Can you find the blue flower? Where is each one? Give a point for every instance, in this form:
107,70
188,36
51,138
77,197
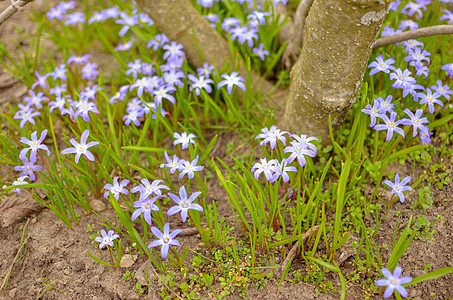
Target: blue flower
298,150
81,148
184,139
184,203
230,81
399,187
165,239
106,239
266,167
415,120
34,144
145,206
28,168
271,136
381,66
390,126
189,168
393,282
147,189
116,188
172,164
374,111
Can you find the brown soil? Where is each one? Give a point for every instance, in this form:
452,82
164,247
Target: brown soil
54,263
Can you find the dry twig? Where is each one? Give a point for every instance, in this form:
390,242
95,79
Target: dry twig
413,34
12,9
296,245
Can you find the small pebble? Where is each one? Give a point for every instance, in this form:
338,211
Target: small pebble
97,205
12,293
127,260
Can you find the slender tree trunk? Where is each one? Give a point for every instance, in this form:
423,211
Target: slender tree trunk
327,77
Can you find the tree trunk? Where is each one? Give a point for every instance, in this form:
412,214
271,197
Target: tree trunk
327,77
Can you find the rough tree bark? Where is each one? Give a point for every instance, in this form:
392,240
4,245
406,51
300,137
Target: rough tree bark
327,77
181,22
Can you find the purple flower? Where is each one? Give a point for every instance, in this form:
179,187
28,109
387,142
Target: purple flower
127,22
158,41
430,99
163,93
173,78
443,90
133,116
83,109
423,70
393,282
425,135
81,148
394,5
189,168
276,2
174,49
59,72
147,189
116,188
230,81
172,164
26,116
78,60
165,239
58,103
414,7
449,69
205,3
35,99
199,84
390,125
55,13
145,207
408,24
385,105
89,71
184,139
411,44
19,181
40,80
75,18
184,203
415,120
106,239
173,62
124,47
416,55
206,70
260,51
305,141
298,150
271,136
399,187
402,78
229,23
381,66
281,169
258,16
28,168
266,167
447,16
374,111
34,144
58,90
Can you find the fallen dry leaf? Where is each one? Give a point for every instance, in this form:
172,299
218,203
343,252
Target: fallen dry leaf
14,208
